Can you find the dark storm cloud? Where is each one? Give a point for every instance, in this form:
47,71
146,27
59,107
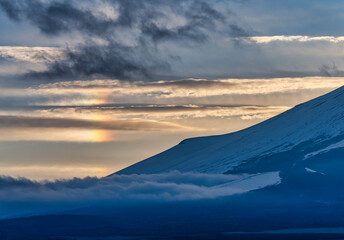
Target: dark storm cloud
11,9
150,22
114,60
55,17
330,71
40,122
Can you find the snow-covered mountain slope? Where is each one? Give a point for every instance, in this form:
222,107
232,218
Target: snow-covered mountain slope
307,131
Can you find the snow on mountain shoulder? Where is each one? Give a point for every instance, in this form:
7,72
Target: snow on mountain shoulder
281,140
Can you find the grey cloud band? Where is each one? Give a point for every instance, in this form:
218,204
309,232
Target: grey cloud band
105,52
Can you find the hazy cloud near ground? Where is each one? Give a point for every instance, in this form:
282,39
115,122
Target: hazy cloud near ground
77,193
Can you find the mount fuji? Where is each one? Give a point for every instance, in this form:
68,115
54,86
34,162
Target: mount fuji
303,136
280,179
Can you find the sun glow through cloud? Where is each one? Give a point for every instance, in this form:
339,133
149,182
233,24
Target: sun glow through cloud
99,135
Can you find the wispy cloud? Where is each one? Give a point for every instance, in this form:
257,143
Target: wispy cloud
113,124
102,123
179,92
285,38
194,88
94,110
170,112
31,54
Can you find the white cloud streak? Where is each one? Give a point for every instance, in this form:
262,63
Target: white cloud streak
285,38
31,54
195,88
168,112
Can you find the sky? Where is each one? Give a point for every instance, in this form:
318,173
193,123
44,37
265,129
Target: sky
88,87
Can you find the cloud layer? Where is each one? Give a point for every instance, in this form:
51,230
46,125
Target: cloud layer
173,186
183,106
283,38
201,87
31,54
113,124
